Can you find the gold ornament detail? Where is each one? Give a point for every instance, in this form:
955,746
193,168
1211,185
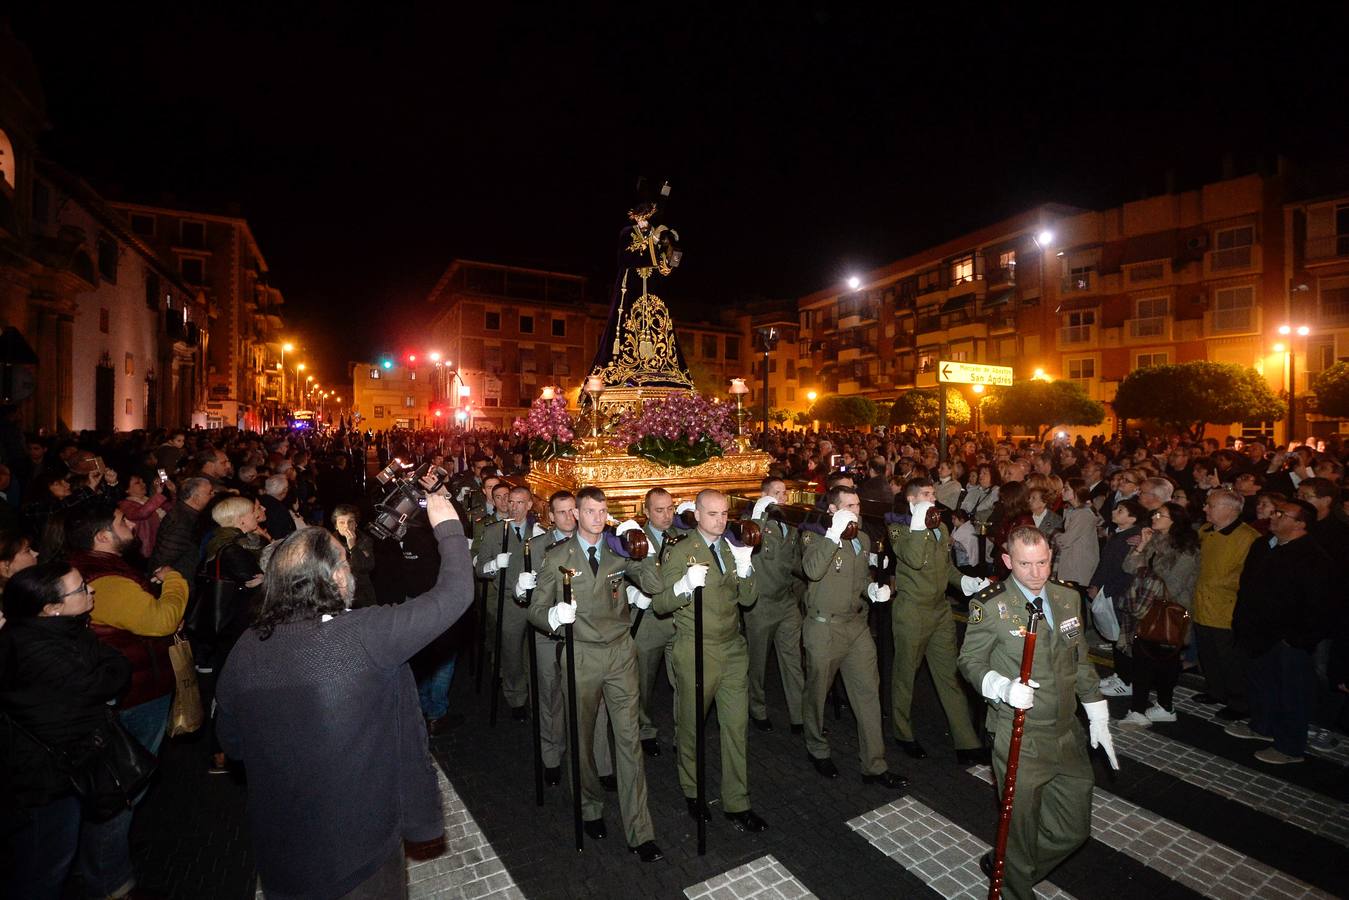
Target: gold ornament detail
646,348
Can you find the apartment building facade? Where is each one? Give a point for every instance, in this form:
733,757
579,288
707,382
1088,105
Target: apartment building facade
1079,294
219,255
1316,231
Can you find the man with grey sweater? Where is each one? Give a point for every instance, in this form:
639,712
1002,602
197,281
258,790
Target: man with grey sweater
320,704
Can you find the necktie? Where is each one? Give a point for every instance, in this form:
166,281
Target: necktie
594,561
1039,605
716,554
519,535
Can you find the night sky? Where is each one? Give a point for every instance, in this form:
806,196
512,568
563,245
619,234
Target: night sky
369,147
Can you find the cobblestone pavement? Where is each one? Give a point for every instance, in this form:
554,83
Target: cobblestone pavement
1190,814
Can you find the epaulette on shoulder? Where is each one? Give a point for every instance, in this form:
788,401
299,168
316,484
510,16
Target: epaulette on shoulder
991,591
1071,585
676,538
555,544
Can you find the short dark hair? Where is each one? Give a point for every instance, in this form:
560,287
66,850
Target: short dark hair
914,485
559,495
763,485
590,492
301,583
12,544
656,492
1306,512
1323,488
346,509
1134,508
85,521
835,495
34,589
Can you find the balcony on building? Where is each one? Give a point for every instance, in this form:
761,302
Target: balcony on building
1077,335
857,309
1148,329
929,328
1227,320
1085,281
1234,252
1326,249
855,345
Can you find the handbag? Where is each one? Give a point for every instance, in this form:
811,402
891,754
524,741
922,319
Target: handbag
212,605
1161,621
185,716
108,769
1103,616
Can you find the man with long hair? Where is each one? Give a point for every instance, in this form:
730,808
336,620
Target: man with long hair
320,704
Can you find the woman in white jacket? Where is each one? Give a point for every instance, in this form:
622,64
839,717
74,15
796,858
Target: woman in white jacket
1078,550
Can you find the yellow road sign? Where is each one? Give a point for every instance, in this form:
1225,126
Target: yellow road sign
973,373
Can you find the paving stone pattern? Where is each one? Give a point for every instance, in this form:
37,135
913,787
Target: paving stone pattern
763,879
937,850
1249,787
1211,868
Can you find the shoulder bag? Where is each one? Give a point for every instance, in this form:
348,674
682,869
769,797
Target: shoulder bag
1163,625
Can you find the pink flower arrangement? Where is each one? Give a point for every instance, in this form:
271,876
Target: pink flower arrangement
682,429
548,427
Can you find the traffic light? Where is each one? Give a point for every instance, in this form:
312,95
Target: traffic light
386,363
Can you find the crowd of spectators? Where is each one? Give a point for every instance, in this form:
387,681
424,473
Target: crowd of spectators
108,543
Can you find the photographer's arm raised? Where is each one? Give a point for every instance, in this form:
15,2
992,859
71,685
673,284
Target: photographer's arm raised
392,634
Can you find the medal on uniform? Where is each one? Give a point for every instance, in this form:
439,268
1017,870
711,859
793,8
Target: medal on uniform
1002,610
1070,628
838,563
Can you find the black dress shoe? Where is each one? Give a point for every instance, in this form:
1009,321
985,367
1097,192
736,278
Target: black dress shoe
798,728
824,766
973,756
609,782
913,748
595,829
519,713
1230,714
1207,699
747,821
552,775
647,852
762,724
986,864
887,779
693,810
651,747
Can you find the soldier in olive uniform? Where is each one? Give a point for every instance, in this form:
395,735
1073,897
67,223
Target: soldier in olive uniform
655,633
704,559
1051,816
502,549
837,639
548,650
923,626
606,664
775,621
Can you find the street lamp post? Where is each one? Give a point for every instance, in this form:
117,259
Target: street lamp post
1288,331
285,348
768,341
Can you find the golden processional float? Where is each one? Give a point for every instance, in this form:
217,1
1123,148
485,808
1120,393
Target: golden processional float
638,401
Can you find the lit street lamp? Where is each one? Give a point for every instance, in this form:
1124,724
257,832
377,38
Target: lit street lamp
285,348
854,283
1288,331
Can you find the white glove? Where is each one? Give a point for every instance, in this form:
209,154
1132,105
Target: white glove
1013,693
743,566
694,577
526,582
1098,728
538,531
686,506
637,598
490,567
761,506
840,521
503,560
878,593
463,493
873,560
919,511
561,614
629,525
971,585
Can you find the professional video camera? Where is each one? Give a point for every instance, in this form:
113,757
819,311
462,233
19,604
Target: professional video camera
407,486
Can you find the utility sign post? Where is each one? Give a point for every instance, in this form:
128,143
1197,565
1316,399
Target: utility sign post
973,373
964,373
